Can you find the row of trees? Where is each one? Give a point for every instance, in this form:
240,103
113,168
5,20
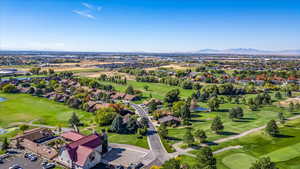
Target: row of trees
113,79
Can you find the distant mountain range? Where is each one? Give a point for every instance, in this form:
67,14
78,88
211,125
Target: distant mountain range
249,51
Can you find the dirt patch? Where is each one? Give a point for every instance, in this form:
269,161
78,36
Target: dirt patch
108,73
286,102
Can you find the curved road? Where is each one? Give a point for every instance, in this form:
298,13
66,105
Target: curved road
157,149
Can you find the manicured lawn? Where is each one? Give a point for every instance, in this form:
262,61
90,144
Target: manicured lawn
284,149
252,119
239,161
131,139
24,108
128,139
157,90
285,154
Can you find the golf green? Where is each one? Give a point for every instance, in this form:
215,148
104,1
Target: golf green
239,161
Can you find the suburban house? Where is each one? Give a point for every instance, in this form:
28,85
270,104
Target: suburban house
33,140
83,152
169,120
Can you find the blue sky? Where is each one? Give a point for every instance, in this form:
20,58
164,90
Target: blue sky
149,25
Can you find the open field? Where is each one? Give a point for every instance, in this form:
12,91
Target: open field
284,149
171,66
24,108
157,90
109,73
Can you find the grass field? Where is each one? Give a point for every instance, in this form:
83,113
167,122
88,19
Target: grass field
157,90
252,119
239,161
284,149
24,108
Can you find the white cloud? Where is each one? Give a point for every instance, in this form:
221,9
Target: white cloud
84,14
87,5
91,7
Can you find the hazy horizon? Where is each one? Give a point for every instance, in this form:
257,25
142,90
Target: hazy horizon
149,26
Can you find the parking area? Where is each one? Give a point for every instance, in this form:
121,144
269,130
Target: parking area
124,155
21,161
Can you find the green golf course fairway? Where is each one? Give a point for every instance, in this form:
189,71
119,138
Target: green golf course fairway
285,154
239,161
24,108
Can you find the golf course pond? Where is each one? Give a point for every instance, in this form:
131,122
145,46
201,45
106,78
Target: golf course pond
2,99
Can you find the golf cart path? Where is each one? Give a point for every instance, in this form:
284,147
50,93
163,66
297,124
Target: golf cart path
184,151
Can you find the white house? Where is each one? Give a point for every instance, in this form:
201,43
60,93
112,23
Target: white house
84,152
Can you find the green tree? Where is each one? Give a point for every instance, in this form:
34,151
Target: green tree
206,159
129,90
264,163
24,127
289,93
74,120
185,112
9,88
176,108
297,106
188,138
163,131
278,95
117,125
105,116
200,135
272,128
217,125
132,125
213,103
146,87
35,70
172,96
291,107
144,122
281,117
171,164
5,144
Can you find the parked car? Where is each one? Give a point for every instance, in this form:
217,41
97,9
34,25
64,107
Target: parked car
15,166
33,157
48,166
119,167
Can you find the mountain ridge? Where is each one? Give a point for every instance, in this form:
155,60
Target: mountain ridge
248,51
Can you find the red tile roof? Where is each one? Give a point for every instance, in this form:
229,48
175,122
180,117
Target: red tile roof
80,150
71,135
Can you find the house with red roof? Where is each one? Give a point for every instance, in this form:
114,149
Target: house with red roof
83,152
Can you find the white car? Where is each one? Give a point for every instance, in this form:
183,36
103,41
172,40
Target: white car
15,166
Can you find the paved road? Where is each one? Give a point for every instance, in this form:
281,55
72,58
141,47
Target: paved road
158,150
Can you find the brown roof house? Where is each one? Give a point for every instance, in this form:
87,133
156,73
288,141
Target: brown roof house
33,140
169,120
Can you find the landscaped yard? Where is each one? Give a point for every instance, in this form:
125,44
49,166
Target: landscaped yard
284,149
